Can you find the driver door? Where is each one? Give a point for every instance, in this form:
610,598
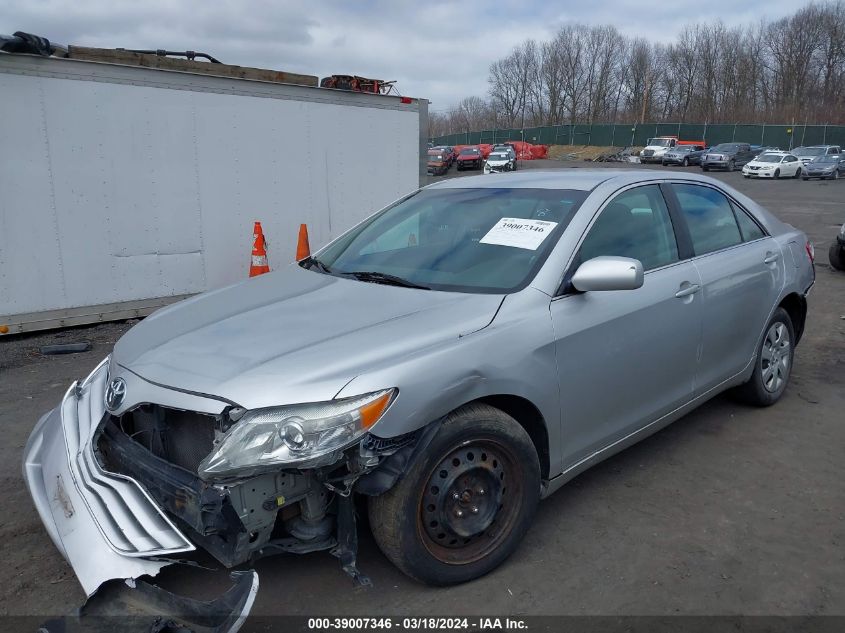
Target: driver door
628,357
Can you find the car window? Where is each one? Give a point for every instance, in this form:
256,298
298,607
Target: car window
748,227
634,224
464,240
711,221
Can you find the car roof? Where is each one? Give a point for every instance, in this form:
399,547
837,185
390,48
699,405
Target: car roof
775,151
574,178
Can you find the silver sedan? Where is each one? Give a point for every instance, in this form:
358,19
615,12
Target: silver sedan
452,359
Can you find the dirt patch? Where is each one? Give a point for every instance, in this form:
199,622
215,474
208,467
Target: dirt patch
582,152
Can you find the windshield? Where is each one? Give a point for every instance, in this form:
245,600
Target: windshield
435,158
469,152
726,147
659,142
499,156
808,151
484,240
830,158
769,158
683,149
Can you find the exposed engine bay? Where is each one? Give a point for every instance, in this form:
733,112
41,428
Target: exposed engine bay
239,520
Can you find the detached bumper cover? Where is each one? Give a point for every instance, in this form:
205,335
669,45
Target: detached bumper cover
104,524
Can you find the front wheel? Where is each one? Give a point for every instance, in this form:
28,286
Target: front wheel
773,363
685,162
731,166
777,174
465,505
836,255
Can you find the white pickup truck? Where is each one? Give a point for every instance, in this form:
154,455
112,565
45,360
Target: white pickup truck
656,147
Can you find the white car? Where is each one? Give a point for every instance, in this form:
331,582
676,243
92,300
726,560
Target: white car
500,161
773,165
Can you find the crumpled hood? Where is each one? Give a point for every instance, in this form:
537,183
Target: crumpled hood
293,335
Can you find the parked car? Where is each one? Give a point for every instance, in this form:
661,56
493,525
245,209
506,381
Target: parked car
773,165
506,147
806,154
470,158
727,156
656,148
450,153
499,161
438,162
825,166
449,361
683,155
836,252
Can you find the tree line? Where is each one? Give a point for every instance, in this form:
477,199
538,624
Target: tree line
790,70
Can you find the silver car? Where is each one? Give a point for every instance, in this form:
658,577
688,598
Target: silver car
451,359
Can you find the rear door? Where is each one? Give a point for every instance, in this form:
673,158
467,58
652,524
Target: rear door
741,270
627,357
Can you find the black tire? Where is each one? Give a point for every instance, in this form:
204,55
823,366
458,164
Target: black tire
836,255
732,166
797,173
763,389
439,538
685,162
745,176
777,174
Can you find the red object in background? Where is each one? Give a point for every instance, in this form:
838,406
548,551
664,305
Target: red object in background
524,151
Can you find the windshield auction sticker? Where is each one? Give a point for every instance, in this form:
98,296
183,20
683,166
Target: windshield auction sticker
519,233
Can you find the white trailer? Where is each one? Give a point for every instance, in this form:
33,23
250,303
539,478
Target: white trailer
124,188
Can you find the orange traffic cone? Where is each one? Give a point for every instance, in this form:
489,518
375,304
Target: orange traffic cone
259,264
303,249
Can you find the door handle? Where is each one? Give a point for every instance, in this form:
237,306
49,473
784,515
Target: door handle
691,289
771,258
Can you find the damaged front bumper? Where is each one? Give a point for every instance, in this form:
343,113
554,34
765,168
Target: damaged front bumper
104,524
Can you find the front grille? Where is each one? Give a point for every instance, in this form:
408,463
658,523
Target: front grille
183,438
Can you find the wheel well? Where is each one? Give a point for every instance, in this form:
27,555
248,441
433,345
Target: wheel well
796,307
529,418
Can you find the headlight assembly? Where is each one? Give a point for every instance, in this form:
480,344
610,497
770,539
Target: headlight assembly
293,436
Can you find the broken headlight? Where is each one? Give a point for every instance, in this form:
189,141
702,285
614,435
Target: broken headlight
293,436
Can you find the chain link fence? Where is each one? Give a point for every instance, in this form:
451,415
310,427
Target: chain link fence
636,134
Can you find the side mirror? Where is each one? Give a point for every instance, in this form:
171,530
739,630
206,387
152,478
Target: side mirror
608,273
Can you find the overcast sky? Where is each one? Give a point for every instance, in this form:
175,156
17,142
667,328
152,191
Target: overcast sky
436,49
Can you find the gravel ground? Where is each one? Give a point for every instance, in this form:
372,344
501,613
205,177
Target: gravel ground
731,510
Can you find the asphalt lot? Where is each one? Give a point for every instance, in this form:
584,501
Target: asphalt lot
731,510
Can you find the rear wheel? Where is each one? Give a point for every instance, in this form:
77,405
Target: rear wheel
685,162
773,363
465,505
731,166
836,255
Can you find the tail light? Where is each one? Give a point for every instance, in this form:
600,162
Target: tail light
811,252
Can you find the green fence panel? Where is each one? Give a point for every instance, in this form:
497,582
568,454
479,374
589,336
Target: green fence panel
813,135
719,133
748,134
601,134
835,135
667,129
691,131
777,136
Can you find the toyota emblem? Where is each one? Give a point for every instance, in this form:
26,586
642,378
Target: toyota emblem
115,393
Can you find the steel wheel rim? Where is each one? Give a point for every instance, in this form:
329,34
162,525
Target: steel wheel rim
775,357
465,514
